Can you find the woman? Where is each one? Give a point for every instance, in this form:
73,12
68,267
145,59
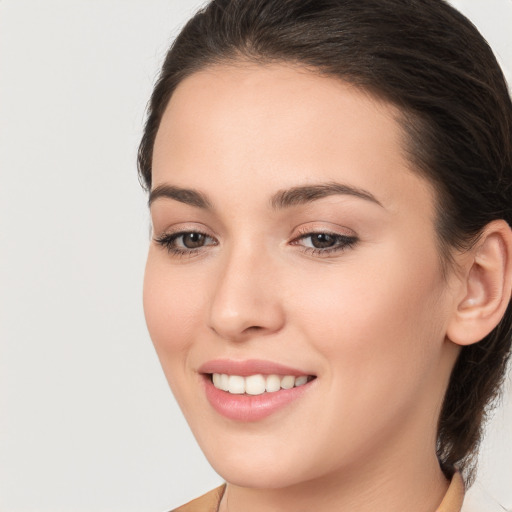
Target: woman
329,279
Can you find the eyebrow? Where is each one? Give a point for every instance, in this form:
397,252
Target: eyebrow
183,195
287,198
309,193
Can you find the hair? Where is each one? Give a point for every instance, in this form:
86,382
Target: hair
429,61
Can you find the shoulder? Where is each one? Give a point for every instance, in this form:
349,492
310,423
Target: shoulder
208,502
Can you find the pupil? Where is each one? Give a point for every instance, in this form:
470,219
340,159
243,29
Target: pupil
193,240
322,240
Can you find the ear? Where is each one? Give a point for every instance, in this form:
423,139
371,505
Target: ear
485,285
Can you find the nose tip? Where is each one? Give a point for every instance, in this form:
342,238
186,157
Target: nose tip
235,325
244,304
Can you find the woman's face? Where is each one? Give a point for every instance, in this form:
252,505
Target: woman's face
292,245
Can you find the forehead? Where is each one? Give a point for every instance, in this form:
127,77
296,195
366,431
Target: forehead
279,125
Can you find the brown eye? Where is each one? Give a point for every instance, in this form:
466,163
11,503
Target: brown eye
185,242
193,240
324,243
322,240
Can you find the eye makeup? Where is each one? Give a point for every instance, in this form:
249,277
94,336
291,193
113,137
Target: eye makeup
185,243
325,243
318,243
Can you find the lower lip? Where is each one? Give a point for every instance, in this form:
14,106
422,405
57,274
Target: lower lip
251,407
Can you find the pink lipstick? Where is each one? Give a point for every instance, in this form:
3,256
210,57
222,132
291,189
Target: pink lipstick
254,389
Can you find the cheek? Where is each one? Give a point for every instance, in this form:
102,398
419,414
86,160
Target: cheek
380,335
172,307
379,321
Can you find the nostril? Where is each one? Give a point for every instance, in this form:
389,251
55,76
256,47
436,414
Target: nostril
254,328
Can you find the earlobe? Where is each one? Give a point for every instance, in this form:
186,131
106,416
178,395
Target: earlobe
486,287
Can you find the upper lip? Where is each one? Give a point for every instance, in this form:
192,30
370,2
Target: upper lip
249,367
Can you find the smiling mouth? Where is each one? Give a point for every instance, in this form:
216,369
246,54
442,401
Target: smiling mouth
257,384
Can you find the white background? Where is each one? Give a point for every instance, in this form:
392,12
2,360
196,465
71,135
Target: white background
87,422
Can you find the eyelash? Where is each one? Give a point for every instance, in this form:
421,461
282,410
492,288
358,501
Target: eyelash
168,241
342,243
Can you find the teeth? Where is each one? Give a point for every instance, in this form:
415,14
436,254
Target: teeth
300,381
236,385
273,383
224,382
288,382
256,384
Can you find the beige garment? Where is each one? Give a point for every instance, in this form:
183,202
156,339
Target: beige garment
209,502
452,501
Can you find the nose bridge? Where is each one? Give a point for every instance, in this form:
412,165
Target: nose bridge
246,297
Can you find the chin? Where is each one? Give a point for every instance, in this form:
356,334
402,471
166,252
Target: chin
266,477
261,467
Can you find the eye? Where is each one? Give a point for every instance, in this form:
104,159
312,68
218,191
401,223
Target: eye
322,240
323,243
192,240
185,242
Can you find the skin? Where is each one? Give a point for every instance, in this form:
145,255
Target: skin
369,321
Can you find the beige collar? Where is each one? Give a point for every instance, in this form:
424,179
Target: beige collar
452,501
209,502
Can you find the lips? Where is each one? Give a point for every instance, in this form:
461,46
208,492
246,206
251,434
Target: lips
249,367
254,389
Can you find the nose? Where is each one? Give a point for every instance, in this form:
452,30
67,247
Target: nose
246,300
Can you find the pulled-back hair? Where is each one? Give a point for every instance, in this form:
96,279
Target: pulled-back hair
428,60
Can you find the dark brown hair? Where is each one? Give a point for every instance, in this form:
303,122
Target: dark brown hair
428,60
